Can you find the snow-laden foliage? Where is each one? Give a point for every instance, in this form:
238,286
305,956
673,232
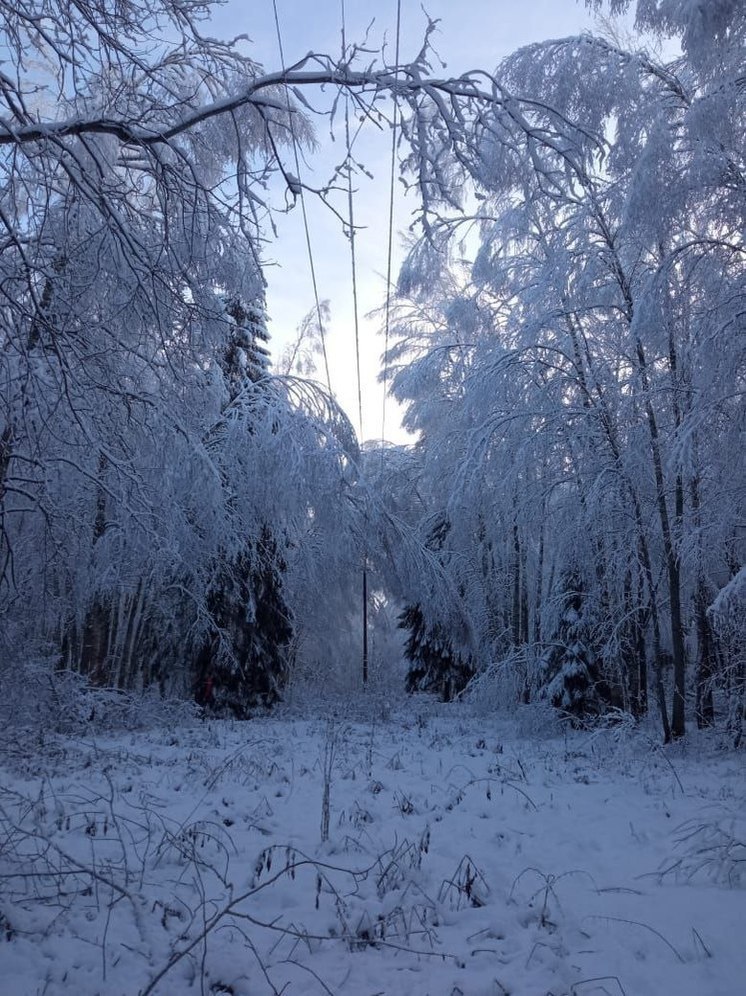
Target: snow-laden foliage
170,509
578,387
568,342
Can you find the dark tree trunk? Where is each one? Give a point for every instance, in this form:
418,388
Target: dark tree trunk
706,661
94,649
94,645
516,621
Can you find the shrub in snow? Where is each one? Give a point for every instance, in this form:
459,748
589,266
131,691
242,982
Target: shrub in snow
503,684
713,850
538,720
42,698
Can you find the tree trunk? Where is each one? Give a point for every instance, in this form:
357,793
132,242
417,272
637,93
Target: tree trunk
673,572
516,613
705,710
94,651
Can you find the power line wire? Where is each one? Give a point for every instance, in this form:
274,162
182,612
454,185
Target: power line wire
351,216
356,315
299,191
392,179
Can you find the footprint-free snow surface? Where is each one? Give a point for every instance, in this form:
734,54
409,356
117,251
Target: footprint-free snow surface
461,858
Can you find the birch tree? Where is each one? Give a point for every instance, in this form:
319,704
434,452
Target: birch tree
611,261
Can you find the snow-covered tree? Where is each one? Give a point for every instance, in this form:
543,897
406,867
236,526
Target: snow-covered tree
576,386
434,665
594,409
571,669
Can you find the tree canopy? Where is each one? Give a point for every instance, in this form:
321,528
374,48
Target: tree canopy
567,339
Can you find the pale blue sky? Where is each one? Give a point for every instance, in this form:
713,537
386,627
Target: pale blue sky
472,34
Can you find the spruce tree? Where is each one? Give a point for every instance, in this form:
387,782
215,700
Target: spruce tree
570,671
243,661
434,665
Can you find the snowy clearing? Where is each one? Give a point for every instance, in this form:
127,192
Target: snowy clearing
461,858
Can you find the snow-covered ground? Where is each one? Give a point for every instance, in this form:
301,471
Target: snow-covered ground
461,858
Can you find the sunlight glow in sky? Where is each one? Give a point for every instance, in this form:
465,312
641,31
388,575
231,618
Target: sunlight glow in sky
470,35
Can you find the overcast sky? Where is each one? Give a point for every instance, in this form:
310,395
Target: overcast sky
472,34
